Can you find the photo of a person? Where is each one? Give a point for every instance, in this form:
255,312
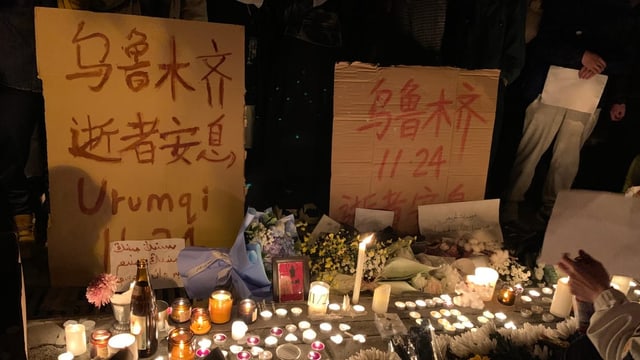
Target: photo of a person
291,281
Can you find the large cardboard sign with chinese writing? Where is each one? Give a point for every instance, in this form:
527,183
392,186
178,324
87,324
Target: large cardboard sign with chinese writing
408,136
144,121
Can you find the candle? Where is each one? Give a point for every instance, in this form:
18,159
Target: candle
276,331
325,327
220,303
380,301
362,247
297,311
76,339
99,340
317,345
200,323
506,296
622,283
238,330
281,313
271,341
243,355
180,310
359,309
314,355
266,314
562,299
253,340
219,338
180,344
484,282
123,341
265,355
318,298
309,336
65,356
248,311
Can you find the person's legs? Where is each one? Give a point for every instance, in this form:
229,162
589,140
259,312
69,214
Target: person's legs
19,111
540,127
576,128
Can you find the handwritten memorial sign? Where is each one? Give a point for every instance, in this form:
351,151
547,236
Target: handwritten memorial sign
407,136
145,133
162,255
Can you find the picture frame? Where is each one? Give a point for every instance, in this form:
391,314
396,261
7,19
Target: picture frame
290,278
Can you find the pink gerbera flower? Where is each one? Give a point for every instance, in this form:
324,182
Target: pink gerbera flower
101,288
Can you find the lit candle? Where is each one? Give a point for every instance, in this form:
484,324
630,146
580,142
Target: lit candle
253,340
506,296
181,344
484,282
180,310
247,311
76,339
123,341
362,247
309,336
220,303
270,341
562,299
318,298
65,356
622,283
200,323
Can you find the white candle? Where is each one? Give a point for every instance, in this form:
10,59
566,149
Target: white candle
76,339
380,301
123,341
318,298
562,299
621,283
362,247
484,282
238,330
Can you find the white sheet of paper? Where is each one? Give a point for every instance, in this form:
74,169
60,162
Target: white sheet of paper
325,225
369,220
461,216
604,224
162,255
563,88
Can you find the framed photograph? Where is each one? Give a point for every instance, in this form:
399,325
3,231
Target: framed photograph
290,278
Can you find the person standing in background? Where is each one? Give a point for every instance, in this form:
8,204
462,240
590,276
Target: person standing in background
488,35
591,37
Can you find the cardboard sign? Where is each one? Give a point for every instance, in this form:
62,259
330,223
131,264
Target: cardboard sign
162,257
407,136
144,121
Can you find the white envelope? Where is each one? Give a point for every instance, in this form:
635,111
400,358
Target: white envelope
565,89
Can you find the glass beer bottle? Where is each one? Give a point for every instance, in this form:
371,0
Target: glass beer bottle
143,312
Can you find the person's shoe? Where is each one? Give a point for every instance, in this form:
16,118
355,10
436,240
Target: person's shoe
24,227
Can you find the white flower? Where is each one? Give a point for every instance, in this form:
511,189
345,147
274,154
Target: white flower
474,342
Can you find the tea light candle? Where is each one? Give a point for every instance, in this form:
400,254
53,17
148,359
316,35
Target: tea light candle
243,355
123,341
455,312
238,330
506,296
253,340
180,310
510,325
203,352
380,301
445,312
314,355
291,328
546,317
414,315
303,325
276,331
266,314
297,311
362,247
204,343
547,290
291,337
65,356
317,345
359,309
248,311
482,319
410,305
270,341
430,303
488,314
537,309
421,304
360,338
336,339
325,327
219,338
534,293
265,355
435,314
562,299
281,312
256,350
220,304
526,313
400,305
333,307
200,323
235,349
526,299
309,336
500,316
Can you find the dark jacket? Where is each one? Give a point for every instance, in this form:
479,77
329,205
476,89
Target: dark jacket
486,34
568,28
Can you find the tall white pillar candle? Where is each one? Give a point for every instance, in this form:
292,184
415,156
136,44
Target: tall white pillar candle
562,299
76,339
380,301
362,248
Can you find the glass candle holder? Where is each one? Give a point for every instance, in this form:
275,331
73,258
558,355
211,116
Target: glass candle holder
180,310
100,343
318,298
248,311
220,304
180,344
506,296
200,322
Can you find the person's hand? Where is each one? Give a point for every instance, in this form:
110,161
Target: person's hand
617,112
592,64
587,276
